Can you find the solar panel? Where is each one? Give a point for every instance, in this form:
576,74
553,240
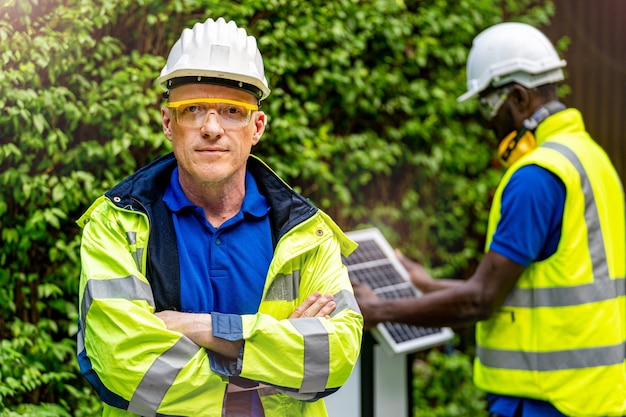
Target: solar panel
375,264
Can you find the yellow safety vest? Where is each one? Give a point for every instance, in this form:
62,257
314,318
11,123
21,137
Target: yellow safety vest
560,335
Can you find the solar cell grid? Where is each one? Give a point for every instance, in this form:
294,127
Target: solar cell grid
377,276
404,332
374,263
368,251
404,292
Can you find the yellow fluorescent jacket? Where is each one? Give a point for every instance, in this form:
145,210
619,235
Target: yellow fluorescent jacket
561,334
139,367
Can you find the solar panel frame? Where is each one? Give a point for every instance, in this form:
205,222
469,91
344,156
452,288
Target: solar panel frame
375,263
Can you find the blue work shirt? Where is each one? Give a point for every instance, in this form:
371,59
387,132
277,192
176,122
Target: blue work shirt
221,269
529,230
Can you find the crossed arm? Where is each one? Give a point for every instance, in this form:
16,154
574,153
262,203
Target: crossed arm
199,328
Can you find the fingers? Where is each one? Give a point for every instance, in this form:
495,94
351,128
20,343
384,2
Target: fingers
410,265
327,308
361,287
417,273
406,262
368,300
306,304
315,305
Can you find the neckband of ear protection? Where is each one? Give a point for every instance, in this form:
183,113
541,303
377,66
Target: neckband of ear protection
518,143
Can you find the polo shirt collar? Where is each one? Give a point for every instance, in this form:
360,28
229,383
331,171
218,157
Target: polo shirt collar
254,203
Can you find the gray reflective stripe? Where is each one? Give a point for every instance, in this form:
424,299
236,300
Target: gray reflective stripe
316,354
602,287
594,232
132,237
80,340
128,288
137,254
161,375
284,287
264,392
599,290
345,300
554,360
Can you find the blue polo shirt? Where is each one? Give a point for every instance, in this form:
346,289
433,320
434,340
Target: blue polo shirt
221,269
529,230
531,213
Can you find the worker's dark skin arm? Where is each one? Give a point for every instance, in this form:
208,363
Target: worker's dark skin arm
450,303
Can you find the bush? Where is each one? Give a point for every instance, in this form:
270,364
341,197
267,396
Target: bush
74,100
442,386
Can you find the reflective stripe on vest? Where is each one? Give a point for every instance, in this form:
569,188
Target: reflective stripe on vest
316,354
315,335
128,288
137,254
553,361
345,300
148,395
285,287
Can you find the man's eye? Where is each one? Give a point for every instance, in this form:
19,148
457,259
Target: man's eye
231,110
193,109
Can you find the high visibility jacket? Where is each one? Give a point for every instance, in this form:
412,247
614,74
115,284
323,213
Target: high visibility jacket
561,334
130,269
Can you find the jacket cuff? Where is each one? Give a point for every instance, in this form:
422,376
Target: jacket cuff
227,327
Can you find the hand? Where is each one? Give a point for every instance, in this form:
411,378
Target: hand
315,305
367,300
418,275
199,328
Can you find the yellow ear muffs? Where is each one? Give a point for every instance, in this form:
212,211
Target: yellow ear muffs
514,145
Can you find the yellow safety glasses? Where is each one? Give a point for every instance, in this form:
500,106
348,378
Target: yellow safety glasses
194,112
491,103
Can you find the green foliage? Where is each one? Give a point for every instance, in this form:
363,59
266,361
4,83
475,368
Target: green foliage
442,386
366,94
75,106
363,120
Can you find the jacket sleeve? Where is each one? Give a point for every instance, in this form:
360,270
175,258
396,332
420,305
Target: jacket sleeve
307,358
133,361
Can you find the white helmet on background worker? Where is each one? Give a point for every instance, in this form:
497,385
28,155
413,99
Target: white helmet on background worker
511,53
216,52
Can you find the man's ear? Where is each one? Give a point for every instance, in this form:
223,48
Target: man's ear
166,121
522,101
259,122
520,98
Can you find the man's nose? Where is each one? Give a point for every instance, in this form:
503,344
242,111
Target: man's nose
212,125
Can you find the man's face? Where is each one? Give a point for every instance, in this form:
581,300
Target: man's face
216,151
504,122
496,109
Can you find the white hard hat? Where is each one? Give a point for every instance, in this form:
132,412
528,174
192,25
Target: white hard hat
511,52
219,53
